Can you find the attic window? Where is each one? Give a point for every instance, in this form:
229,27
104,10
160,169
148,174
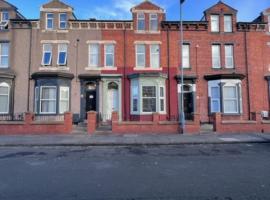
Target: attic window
5,16
215,23
63,20
228,23
49,21
153,22
141,22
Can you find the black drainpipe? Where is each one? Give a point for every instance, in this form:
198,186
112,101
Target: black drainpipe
247,74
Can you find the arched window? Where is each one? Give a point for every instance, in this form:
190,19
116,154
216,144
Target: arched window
112,85
4,98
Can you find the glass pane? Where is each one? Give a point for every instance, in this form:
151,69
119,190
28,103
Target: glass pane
149,91
5,49
5,16
141,60
229,92
155,49
47,47
153,22
149,105
161,104
49,23
94,49
161,92
109,60
62,47
94,60
229,50
64,106
49,15
215,23
215,92
135,91
62,58
135,105
48,93
215,106
63,17
141,48
3,103
64,93
229,62
141,25
48,106
4,90
47,58
155,61
109,48
230,106
4,61
228,23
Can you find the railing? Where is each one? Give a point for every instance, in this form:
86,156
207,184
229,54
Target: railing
12,117
46,118
105,119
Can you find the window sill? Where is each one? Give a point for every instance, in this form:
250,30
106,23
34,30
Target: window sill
147,69
55,31
149,113
147,32
101,68
48,68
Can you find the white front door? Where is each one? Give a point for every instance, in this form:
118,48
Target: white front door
113,102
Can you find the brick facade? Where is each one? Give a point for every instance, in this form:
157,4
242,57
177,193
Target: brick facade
79,88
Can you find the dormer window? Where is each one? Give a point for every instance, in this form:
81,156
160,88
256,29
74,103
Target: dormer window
63,20
141,22
153,22
214,23
228,23
49,21
5,16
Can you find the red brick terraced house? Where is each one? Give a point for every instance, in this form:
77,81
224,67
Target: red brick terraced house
58,63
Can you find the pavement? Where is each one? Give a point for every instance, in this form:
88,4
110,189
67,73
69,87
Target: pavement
130,139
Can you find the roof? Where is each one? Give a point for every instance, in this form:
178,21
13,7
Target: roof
221,3
56,4
147,5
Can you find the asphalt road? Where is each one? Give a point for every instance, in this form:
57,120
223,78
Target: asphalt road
192,172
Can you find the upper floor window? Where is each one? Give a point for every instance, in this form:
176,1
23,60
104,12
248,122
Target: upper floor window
49,20
186,56
62,54
141,22
4,55
140,55
215,23
4,98
155,56
94,55
229,60
153,22
47,55
63,20
109,55
4,16
216,62
227,23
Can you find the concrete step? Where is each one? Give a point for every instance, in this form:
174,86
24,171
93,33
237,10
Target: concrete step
207,128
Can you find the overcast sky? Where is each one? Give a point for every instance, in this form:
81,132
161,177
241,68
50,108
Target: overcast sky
120,9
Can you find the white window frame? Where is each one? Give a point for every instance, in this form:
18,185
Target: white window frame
138,66
65,22
43,55
228,21
162,98
215,99
106,53
61,99
140,18
135,86
153,55
216,56
8,96
3,55
62,51
49,18
2,16
40,100
153,17
236,99
227,56
90,65
186,57
142,98
215,19
36,99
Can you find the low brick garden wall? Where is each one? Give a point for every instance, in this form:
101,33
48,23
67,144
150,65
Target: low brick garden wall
29,126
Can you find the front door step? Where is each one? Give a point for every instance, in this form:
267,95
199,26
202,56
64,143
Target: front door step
79,130
207,128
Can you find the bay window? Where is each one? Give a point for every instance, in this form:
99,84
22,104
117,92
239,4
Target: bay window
94,55
214,23
48,100
109,55
62,54
155,56
216,60
141,22
4,55
47,55
4,98
153,22
148,96
225,96
229,58
140,56
227,23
